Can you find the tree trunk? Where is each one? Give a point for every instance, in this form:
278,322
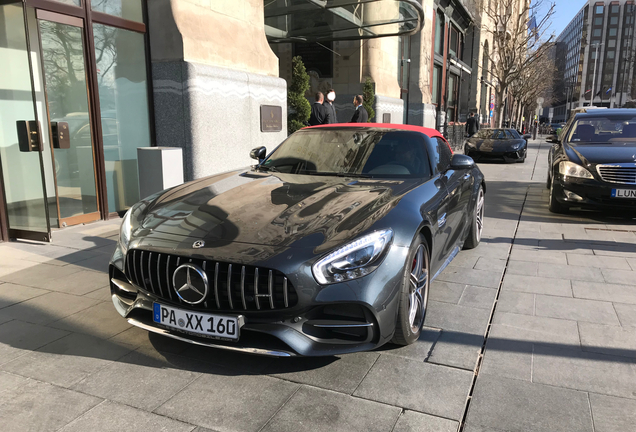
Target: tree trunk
500,105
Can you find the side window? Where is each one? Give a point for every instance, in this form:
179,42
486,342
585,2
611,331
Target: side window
509,135
445,155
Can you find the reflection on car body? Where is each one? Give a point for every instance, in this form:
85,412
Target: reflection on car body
327,246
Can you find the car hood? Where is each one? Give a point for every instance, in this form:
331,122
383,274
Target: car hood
489,145
274,210
601,153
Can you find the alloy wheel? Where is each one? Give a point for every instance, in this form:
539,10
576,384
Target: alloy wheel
479,215
418,289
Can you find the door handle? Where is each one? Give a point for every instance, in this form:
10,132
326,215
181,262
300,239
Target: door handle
466,176
29,136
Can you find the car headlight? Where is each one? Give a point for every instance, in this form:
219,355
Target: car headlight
570,169
517,146
354,260
125,231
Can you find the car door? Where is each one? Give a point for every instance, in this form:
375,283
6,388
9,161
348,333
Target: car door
458,186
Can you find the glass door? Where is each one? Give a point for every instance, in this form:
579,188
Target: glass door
64,66
21,140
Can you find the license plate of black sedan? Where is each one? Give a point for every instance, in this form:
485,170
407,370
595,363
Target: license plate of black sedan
204,324
624,193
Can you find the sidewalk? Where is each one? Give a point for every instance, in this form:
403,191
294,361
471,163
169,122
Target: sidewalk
560,351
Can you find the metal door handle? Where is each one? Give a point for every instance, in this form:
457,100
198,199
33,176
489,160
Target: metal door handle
466,176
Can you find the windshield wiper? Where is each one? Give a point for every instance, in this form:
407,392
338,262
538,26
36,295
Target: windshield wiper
268,169
355,175
335,174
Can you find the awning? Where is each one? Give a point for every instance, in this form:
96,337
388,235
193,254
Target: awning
334,20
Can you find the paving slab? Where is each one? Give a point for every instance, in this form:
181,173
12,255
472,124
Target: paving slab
571,272
509,358
624,277
546,256
316,410
137,380
576,309
598,373
522,268
612,414
12,294
68,360
419,350
491,264
484,278
598,261
340,373
457,349
411,421
222,402
478,297
626,314
47,308
611,340
447,292
439,390
464,260
537,285
113,417
511,405
535,329
18,337
237,361
516,302
42,407
457,318
604,291
78,283
99,320
39,276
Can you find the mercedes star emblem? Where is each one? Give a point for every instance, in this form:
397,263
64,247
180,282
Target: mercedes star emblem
198,244
190,283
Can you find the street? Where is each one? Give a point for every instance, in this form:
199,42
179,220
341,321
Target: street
533,330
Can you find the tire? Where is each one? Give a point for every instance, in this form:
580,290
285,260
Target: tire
412,306
548,183
553,205
476,222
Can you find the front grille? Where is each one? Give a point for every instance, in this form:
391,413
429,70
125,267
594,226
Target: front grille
231,286
618,173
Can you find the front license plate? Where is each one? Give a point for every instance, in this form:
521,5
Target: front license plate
210,325
624,193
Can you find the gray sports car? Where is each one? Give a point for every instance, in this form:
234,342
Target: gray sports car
327,246
501,144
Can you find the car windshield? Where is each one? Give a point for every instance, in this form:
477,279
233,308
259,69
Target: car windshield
352,152
603,130
493,134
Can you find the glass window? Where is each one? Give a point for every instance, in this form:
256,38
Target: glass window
127,9
598,9
70,2
613,20
612,32
610,54
123,100
596,33
439,34
598,21
611,43
614,9
437,72
454,41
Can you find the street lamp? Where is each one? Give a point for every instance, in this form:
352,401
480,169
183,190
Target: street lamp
594,76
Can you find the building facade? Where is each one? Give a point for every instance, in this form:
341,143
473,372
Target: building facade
595,58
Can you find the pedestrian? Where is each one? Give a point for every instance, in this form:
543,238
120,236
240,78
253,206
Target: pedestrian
331,97
319,113
361,115
472,125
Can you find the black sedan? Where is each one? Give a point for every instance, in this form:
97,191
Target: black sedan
327,246
506,144
594,164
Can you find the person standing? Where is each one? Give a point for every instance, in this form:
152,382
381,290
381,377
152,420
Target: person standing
472,125
331,97
319,113
361,115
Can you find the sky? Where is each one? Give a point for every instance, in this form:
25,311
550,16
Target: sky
564,11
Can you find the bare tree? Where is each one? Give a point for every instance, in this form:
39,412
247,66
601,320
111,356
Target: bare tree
515,48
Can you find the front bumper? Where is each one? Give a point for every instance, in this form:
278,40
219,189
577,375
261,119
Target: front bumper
508,156
590,194
352,316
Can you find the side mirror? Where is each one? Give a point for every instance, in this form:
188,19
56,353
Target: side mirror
258,153
460,162
527,136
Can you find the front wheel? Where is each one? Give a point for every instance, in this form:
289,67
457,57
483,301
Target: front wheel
413,298
477,221
553,205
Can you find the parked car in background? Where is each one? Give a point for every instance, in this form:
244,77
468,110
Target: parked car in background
327,246
502,144
594,163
